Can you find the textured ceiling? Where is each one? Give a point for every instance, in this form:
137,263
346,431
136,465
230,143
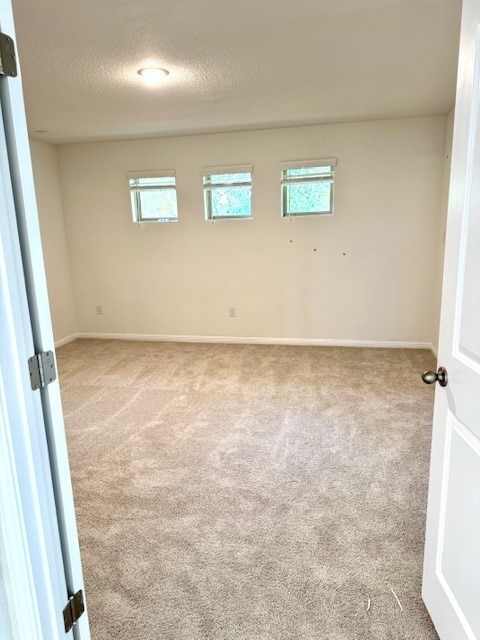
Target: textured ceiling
233,65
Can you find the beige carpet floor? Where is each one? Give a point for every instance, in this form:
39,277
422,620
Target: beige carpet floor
247,491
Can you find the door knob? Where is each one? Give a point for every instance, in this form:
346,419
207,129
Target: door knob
440,376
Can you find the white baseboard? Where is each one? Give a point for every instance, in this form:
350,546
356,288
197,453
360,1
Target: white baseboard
322,342
433,349
66,340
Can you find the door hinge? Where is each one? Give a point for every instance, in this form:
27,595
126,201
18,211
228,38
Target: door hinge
8,59
73,610
42,369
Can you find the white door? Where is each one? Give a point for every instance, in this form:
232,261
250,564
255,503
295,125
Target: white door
451,583
24,539
32,420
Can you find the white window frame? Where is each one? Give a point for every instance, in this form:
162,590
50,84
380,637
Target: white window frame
207,189
135,191
307,164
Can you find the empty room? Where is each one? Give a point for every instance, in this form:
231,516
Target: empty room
243,218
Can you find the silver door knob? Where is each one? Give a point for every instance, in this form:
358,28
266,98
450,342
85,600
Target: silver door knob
440,376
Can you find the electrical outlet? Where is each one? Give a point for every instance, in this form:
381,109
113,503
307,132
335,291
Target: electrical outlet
232,312
99,310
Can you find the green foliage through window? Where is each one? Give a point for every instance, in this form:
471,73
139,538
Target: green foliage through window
154,199
307,191
228,195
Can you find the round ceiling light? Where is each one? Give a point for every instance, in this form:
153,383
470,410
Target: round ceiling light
153,75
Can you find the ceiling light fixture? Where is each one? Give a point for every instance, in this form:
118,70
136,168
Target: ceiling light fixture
152,75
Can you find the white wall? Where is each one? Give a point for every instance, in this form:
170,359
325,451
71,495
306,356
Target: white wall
54,241
443,224
367,273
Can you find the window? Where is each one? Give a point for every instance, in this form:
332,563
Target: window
227,192
154,196
307,187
